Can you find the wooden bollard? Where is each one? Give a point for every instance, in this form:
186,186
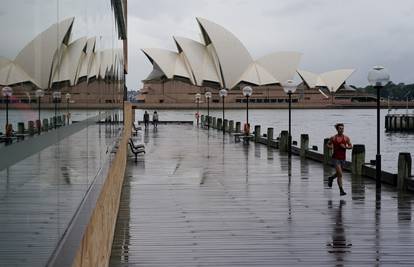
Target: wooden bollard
269,136
20,127
304,144
404,169
31,127
358,158
257,133
238,127
411,123
398,124
394,123
327,152
226,125
387,122
231,126
38,126
219,124
283,141
59,120
45,125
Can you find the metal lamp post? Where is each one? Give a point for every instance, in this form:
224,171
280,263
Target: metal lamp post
56,97
7,93
198,97
290,87
68,96
208,96
247,92
39,94
378,77
223,94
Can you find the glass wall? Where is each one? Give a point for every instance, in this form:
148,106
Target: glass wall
62,80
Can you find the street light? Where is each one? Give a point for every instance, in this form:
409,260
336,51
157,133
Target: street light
7,93
198,97
378,77
56,97
208,96
290,87
68,96
223,94
247,92
39,94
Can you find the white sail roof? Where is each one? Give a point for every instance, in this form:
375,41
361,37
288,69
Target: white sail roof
331,80
199,60
86,59
11,73
232,56
36,58
223,59
282,65
95,65
107,60
310,78
257,75
71,61
334,79
169,62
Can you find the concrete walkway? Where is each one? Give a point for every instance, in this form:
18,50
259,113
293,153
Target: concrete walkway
196,199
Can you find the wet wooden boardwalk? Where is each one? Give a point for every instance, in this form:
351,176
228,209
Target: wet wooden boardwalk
40,194
197,200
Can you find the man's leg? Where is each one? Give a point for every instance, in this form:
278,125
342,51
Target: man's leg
339,175
333,176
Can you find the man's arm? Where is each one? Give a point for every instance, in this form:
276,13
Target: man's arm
348,143
329,144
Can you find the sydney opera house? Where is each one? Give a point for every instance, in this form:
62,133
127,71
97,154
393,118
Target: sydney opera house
222,61
83,53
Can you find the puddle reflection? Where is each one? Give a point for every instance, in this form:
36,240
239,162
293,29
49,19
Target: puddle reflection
339,245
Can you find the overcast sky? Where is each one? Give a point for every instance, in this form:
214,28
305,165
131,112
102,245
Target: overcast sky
331,34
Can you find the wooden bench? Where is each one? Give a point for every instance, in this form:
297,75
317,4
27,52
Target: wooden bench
136,149
8,140
237,137
136,129
246,138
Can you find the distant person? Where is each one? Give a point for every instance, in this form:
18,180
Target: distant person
146,119
155,119
339,143
9,130
9,133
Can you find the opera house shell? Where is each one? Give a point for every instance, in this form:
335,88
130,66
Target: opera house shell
222,61
52,61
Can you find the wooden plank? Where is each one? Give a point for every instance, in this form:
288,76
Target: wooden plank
248,211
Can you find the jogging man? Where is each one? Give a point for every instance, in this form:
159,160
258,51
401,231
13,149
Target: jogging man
339,143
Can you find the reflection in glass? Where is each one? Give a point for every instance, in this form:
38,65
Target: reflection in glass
71,47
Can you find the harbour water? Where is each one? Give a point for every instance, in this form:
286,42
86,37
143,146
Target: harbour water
25,115
360,126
